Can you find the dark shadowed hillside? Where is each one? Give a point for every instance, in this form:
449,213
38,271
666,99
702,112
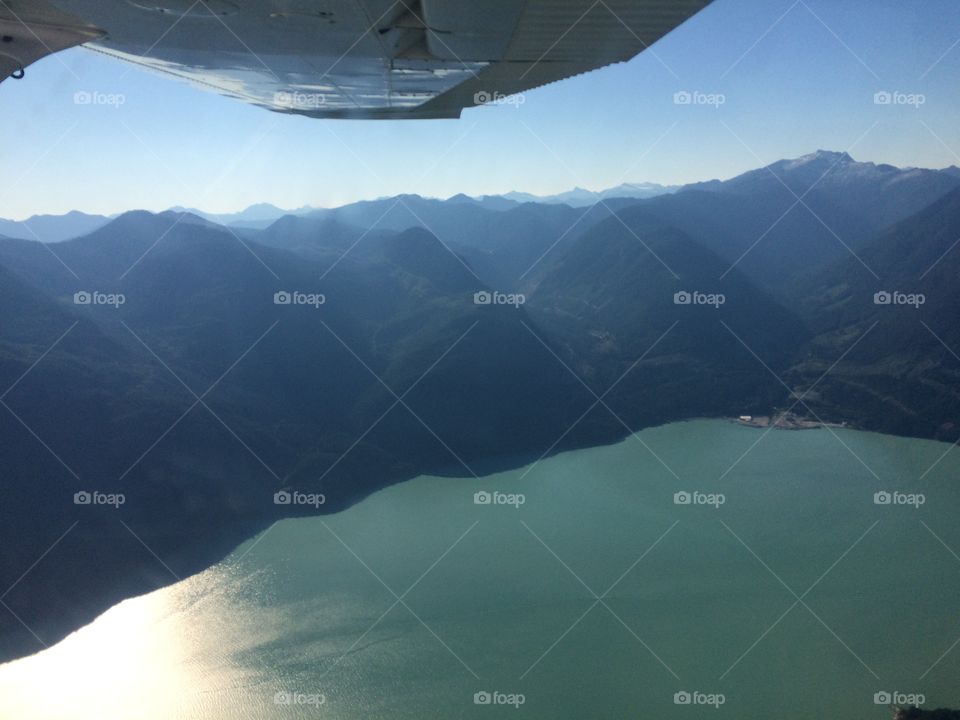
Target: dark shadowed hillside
903,375
644,306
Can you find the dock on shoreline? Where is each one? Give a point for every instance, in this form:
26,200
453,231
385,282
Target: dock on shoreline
784,421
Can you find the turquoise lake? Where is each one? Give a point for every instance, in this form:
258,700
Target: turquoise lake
585,588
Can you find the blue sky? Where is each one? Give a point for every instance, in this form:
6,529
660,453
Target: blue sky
794,76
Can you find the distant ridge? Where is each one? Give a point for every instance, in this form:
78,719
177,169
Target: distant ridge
52,228
581,197
256,216
827,168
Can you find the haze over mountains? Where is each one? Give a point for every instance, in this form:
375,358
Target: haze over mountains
197,370
52,228
804,171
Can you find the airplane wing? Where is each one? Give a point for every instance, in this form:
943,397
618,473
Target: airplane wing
348,58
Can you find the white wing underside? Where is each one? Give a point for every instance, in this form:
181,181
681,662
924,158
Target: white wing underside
349,58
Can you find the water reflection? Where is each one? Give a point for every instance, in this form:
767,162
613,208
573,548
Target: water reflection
163,655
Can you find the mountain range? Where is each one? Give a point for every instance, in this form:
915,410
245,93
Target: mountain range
57,228
196,370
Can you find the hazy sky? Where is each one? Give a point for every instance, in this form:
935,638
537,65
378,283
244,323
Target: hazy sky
795,76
